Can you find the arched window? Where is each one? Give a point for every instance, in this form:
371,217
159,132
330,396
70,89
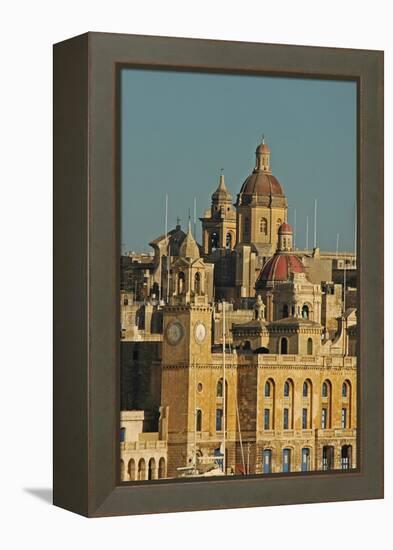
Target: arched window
345,389
263,226
197,283
131,469
267,389
327,405
161,468
287,388
305,389
219,422
214,240
198,420
305,311
284,346
309,346
152,473
122,435
181,278
142,469
285,311
278,223
219,388
228,241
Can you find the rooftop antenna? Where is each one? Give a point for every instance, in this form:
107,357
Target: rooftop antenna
337,241
315,223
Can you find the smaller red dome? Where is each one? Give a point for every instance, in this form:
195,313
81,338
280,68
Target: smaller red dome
285,228
279,268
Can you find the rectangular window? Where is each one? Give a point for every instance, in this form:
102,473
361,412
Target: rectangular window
343,417
122,435
286,419
266,419
324,419
218,420
304,419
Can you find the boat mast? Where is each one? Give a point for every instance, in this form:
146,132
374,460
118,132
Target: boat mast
224,386
195,419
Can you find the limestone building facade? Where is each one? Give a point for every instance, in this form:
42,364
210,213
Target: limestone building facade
241,359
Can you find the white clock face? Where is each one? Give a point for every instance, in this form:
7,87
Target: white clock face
200,332
174,332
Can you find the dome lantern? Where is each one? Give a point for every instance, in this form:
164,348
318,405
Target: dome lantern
262,154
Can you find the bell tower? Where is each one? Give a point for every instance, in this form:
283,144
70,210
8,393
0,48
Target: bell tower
187,339
219,221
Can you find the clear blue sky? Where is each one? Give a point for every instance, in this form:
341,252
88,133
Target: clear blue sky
179,129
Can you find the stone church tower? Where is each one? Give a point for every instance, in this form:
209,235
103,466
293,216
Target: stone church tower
219,221
261,208
187,333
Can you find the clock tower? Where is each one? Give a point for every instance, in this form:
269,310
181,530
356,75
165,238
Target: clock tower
187,330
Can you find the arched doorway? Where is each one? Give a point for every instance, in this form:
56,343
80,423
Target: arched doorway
328,457
152,473
306,459
161,468
142,469
346,457
131,469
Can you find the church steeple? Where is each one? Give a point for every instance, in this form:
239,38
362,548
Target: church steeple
262,153
221,195
189,247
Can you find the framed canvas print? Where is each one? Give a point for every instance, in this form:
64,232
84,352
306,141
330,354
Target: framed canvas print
218,260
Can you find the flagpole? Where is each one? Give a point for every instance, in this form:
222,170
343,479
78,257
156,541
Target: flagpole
167,244
315,223
195,218
307,233
294,229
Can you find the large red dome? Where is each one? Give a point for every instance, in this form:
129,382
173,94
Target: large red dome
262,183
279,268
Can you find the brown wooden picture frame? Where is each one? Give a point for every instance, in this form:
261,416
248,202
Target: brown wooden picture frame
86,273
